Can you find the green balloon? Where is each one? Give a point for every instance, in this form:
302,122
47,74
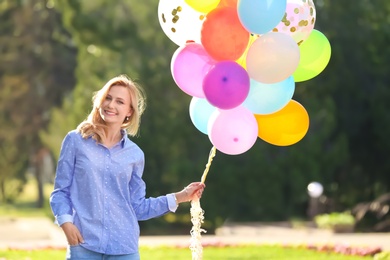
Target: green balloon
315,55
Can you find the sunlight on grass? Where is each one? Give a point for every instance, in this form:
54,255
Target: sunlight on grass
212,253
32,254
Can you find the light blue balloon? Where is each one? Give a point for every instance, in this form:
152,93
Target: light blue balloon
200,112
261,16
266,99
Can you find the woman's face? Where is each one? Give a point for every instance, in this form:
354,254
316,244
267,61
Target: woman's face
116,106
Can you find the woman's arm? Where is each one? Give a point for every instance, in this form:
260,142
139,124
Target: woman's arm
60,197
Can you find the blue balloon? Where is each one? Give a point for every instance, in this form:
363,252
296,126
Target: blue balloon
266,99
200,112
261,16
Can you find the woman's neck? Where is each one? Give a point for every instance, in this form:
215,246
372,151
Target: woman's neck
113,136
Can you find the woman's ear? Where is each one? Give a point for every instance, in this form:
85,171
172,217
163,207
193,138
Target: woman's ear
130,112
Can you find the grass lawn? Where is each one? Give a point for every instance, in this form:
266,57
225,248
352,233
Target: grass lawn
212,253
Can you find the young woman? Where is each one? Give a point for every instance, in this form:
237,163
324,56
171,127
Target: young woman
99,194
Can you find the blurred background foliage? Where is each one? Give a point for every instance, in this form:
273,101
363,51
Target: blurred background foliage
55,53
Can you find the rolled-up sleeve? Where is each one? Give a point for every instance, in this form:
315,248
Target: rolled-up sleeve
172,204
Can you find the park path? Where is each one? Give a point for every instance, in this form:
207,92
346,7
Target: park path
35,233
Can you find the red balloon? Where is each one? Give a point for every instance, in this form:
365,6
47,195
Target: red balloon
223,36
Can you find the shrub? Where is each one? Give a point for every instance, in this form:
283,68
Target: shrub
337,221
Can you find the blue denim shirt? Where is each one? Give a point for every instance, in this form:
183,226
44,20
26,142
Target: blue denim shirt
101,191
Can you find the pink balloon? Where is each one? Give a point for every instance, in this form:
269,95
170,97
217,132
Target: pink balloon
189,64
233,131
226,85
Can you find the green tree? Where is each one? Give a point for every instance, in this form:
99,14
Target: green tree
36,68
357,80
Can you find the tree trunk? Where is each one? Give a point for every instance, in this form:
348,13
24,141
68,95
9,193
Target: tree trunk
2,191
41,196
39,169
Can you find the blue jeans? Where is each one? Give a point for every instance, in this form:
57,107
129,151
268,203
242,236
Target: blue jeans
79,252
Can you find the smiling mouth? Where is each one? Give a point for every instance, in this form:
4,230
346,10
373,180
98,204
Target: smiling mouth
109,113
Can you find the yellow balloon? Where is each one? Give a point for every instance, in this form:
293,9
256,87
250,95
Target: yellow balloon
284,127
203,6
242,60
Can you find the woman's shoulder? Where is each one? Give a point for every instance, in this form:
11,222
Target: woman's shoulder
73,135
132,145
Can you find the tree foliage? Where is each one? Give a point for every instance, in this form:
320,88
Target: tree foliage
358,82
36,68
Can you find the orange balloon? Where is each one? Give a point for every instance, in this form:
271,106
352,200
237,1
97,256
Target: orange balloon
284,127
230,3
222,34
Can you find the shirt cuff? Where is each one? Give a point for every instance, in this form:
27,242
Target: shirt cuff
63,218
172,204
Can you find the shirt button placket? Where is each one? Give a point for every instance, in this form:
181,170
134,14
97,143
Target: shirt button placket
106,188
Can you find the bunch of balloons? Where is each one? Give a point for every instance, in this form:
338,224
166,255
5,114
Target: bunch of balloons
240,61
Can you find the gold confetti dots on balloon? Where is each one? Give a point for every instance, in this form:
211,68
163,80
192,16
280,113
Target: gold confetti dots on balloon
175,16
303,23
298,20
179,21
285,21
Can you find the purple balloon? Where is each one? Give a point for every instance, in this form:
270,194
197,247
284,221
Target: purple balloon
226,85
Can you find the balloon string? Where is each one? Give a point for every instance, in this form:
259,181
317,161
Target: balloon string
211,156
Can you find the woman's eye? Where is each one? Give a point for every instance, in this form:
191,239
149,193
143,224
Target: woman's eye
120,102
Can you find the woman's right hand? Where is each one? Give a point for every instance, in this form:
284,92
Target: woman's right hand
72,234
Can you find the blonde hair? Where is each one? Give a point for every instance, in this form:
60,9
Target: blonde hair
95,126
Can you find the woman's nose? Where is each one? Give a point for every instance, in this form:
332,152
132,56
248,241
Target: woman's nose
110,104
